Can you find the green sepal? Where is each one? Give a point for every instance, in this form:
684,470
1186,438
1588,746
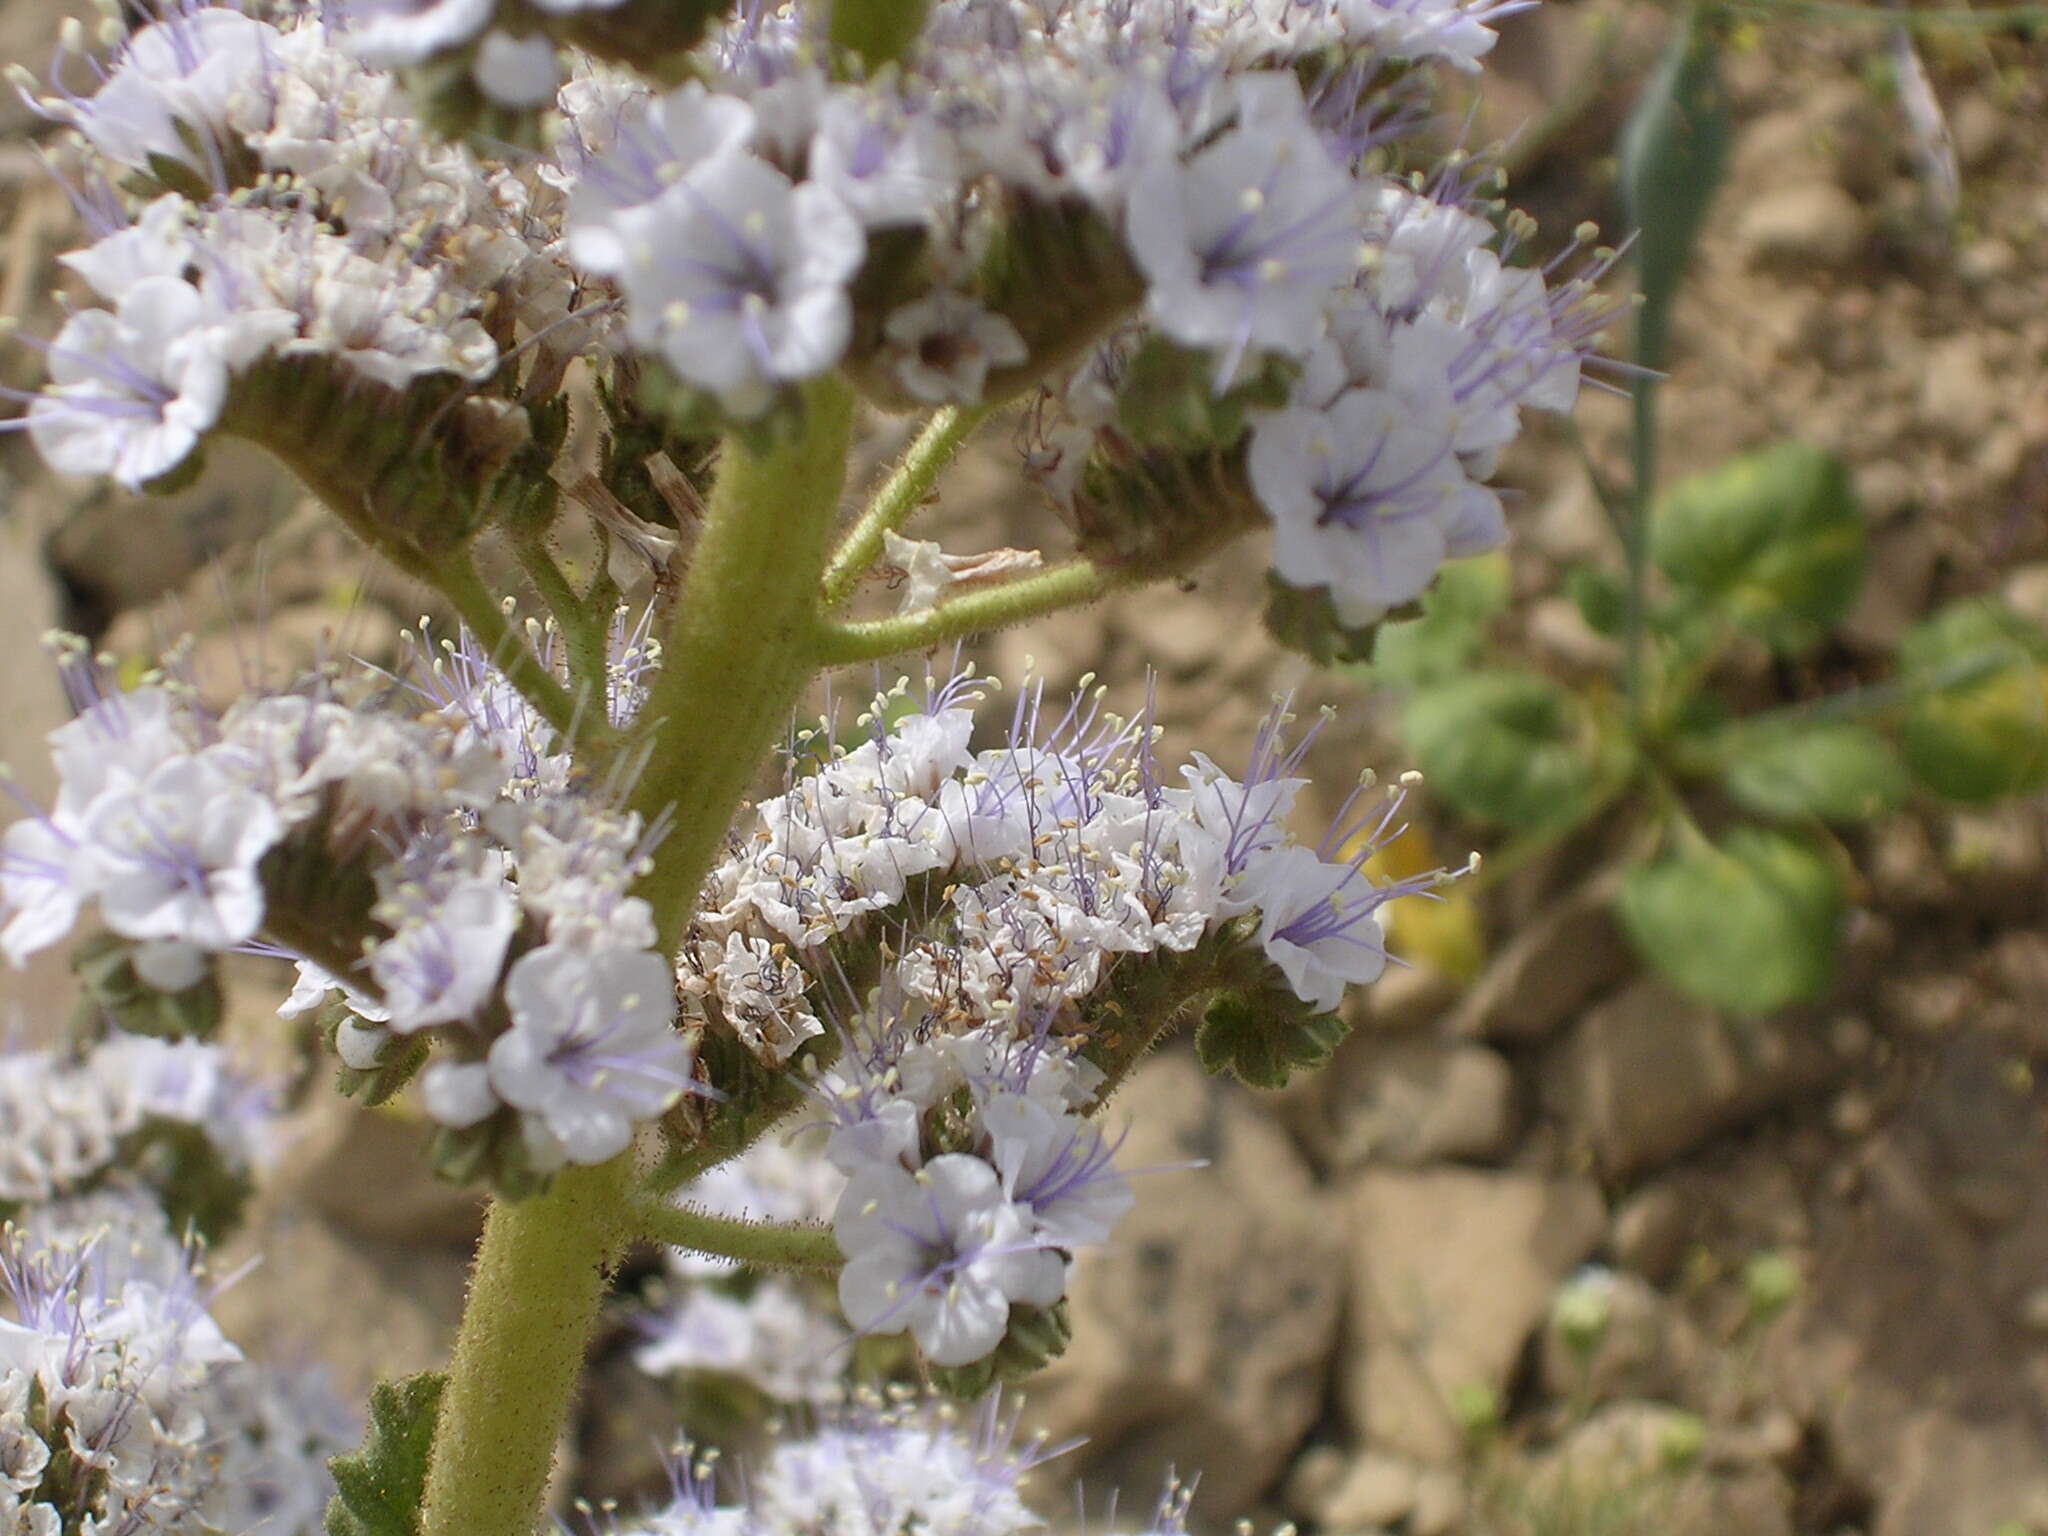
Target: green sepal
1262,1039
1977,729
379,1490
1601,598
385,1081
104,966
1168,398
1674,153
1037,1336
1751,925
181,476
1506,746
1305,620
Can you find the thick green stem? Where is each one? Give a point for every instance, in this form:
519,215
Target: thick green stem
735,659
763,1244
533,1298
898,498
972,613
742,646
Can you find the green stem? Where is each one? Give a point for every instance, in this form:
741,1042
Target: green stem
583,628
972,613
762,1244
533,1298
742,645
876,31
898,498
456,579
735,659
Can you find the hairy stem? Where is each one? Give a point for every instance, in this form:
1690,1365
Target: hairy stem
582,626
972,613
735,659
762,1244
533,1298
898,498
742,645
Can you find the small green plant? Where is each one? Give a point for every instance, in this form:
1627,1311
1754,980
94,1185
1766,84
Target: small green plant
1739,874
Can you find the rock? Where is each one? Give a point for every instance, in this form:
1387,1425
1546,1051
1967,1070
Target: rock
1651,1231
1959,395
1557,629
2026,593
1650,1074
1205,1343
1411,1100
1566,956
368,1310
367,1171
1376,1489
1451,1271
1802,226
1439,1504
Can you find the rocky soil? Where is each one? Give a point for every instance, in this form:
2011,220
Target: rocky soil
1821,1240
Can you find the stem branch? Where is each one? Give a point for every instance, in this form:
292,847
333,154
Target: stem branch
762,1244
898,498
1064,586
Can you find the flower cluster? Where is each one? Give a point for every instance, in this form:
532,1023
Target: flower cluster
899,1465
66,1125
304,213
1004,900
1035,199
488,897
123,1408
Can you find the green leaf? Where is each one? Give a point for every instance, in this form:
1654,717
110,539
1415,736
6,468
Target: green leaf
1837,772
1456,611
1674,153
1978,730
1601,598
1751,925
1506,747
379,1489
1774,539
1263,1038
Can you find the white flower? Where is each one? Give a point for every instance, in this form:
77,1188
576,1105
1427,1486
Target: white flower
133,390
1059,1166
158,244
886,166
518,72
1365,500
177,856
1243,243
772,1338
391,33
592,1052
941,1252
738,279
442,964
176,87
1317,923
942,346
650,146
458,1093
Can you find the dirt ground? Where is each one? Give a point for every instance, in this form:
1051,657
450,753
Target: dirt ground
1821,1240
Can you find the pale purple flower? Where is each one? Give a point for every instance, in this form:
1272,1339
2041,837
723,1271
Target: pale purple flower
591,1052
